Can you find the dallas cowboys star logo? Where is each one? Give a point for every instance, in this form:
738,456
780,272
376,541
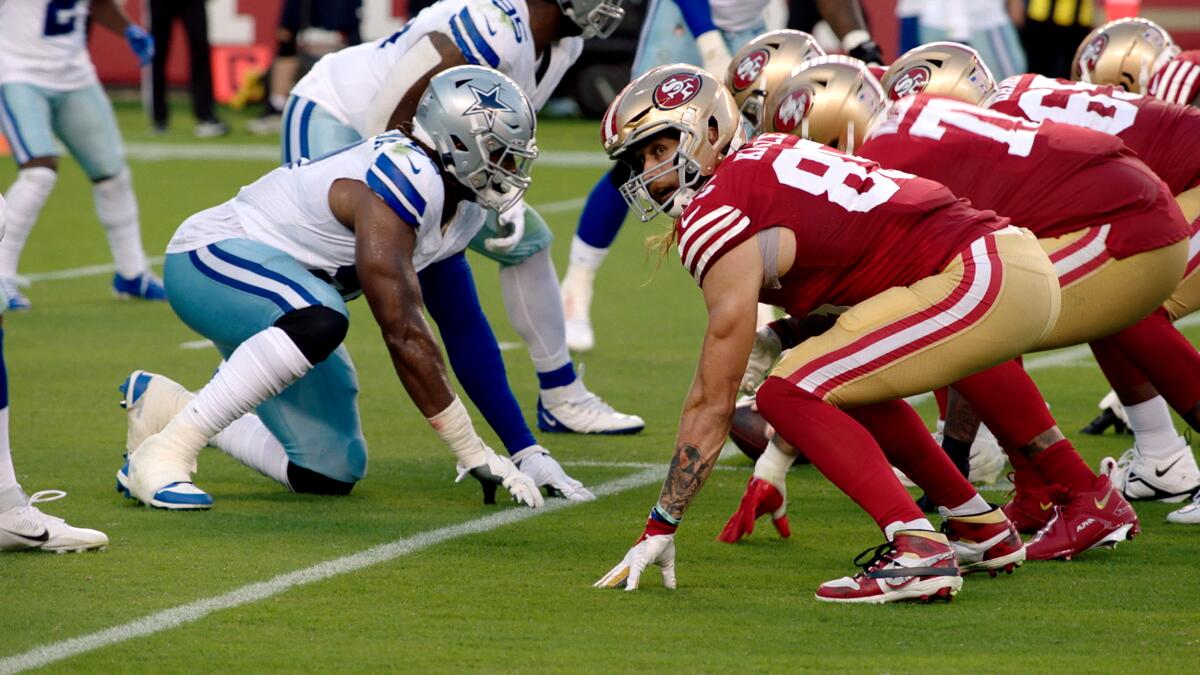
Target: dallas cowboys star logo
487,103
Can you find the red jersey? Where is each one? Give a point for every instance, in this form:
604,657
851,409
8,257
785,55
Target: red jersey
1051,178
860,229
1179,80
1165,136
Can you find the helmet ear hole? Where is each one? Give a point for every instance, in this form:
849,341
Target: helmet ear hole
458,144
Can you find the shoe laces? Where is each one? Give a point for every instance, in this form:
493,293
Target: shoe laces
40,497
875,557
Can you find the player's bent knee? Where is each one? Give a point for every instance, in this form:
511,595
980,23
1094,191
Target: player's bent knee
317,330
307,481
776,395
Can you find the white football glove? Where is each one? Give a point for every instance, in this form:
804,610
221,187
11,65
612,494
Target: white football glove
536,462
658,549
714,53
512,221
497,470
766,350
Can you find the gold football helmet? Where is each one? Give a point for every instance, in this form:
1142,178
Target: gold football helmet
682,100
763,64
1124,53
829,100
946,68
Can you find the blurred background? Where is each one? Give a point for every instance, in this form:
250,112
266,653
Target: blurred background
247,53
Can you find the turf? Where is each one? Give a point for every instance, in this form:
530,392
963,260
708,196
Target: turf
517,598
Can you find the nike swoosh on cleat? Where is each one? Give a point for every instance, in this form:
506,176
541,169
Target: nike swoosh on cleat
1047,506
41,538
550,421
1162,472
1101,503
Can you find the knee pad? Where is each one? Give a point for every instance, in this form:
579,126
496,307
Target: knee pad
317,330
307,481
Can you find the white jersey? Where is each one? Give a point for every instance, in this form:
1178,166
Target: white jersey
493,33
289,209
734,16
44,42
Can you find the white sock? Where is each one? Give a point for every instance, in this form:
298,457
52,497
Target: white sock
585,257
261,367
10,490
1153,429
118,212
531,298
772,466
972,507
25,198
250,442
899,526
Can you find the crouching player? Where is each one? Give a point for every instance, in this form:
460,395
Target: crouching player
265,276
797,225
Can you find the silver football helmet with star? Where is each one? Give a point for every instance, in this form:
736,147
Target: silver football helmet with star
481,127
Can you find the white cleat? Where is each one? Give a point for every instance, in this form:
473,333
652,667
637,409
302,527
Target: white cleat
150,401
536,462
577,304
25,528
1174,478
1188,515
159,473
583,413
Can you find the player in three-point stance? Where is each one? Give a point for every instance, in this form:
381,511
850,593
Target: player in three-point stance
798,225
266,275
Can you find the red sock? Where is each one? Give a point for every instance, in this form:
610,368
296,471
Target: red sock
1025,476
909,446
1060,463
1124,376
839,447
1168,360
942,396
1008,402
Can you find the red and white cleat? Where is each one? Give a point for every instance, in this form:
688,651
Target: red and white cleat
760,498
1097,517
985,542
916,565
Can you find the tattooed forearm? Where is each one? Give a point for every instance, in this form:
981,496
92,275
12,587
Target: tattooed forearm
689,469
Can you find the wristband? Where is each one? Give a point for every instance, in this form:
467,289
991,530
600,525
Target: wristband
454,426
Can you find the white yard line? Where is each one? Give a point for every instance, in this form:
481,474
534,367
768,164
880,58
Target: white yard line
160,152
251,593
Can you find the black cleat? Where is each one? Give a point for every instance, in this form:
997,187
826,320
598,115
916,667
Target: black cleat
1107,418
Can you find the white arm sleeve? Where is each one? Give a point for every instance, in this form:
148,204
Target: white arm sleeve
419,60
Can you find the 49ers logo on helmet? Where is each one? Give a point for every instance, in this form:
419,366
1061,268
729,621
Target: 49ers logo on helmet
912,81
749,68
792,110
676,90
1091,53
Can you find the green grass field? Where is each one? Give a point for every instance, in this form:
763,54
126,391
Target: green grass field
512,593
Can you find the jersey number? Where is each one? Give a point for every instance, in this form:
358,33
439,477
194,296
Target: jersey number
1080,108
940,113
841,178
61,16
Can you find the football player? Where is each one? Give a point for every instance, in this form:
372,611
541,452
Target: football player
1137,55
1163,136
49,91
372,87
798,225
702,33
1108,223
23,526
265,276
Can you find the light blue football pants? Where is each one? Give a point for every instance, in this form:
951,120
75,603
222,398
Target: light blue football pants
34,116
230,290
